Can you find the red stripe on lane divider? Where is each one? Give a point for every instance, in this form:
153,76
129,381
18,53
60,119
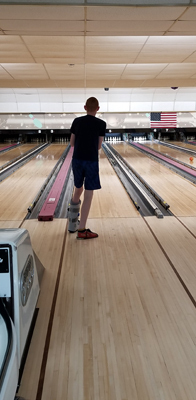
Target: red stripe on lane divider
7,147
49,207
172,162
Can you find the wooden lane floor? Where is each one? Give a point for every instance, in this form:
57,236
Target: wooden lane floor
190,223
123,327
9,224
112,200
178,192
19,189
15,152
47,239
169,151
22,186
186,145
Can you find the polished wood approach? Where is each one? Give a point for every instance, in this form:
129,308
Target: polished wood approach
179,245
117,314
9,224
124,327
178,192
190,223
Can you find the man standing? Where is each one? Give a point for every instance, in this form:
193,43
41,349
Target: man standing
87,133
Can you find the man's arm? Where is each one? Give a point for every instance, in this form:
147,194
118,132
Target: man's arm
72,140
100,142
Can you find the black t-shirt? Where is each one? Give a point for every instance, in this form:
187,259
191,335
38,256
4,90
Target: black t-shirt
87,130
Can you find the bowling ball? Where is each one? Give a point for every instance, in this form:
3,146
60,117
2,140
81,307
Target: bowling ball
191,158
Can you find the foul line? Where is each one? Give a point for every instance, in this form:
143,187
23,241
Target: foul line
172,266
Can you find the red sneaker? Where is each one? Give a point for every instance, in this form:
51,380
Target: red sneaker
86,234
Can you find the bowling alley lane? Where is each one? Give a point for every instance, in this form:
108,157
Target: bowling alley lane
177,154
15,152
178,192
112,200
19,189
186,145
119,304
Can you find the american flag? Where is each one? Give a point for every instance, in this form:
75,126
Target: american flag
163,120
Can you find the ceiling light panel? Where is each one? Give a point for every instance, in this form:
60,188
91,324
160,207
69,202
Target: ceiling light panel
35,82
110,58
125,26
175,68
12,49
56,49
104,71
148,68
4,74
21,71
108,49
191,58
64,71
117,43
69,83
160,57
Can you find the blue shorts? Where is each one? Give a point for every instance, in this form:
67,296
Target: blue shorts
87,173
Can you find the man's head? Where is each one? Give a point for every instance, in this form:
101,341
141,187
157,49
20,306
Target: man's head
92,105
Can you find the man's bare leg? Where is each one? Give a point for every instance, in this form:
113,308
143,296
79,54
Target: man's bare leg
86,205
77,194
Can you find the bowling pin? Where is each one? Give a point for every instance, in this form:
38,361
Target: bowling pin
36,121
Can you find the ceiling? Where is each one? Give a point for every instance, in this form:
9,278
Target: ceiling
97,46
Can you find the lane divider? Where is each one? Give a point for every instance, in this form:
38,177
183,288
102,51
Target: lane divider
180,166
8,147
49,207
